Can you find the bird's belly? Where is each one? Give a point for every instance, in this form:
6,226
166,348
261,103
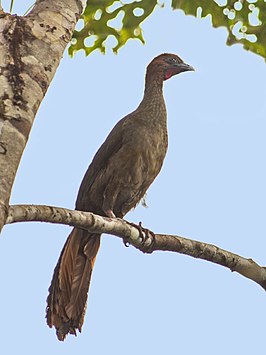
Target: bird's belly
135,177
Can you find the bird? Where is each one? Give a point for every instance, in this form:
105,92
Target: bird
116,180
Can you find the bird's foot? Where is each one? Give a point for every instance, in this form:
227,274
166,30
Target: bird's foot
146,236
110,213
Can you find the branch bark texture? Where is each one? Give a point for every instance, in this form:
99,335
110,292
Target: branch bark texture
148,243
30,51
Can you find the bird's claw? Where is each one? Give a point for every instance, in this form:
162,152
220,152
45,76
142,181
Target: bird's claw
146,236
126,242
142,233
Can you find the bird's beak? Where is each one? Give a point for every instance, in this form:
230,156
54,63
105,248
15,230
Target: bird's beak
184,67
177,68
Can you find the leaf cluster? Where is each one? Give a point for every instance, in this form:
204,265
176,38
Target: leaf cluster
106,21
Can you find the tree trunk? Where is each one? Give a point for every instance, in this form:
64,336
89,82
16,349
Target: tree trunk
30,51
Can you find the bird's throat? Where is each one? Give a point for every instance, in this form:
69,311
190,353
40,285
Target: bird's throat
169,73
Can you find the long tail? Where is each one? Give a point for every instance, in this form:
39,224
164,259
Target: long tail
68,293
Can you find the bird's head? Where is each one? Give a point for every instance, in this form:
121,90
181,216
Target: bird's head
166,65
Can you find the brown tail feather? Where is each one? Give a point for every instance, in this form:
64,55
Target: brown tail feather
68,293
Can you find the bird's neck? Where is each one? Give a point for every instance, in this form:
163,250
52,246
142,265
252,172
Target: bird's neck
153,83
153,87
153,96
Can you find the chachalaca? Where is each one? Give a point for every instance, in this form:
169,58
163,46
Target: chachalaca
118,177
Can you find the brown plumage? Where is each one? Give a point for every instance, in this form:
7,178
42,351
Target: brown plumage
118,177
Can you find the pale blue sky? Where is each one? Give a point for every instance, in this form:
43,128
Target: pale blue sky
211,188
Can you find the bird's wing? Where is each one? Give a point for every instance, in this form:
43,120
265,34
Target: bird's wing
111,146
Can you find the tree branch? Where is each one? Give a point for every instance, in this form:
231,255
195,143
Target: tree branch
130,233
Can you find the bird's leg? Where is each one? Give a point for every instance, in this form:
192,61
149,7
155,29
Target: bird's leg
145,236
110,213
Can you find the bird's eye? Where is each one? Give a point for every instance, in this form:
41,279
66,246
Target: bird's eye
172,60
